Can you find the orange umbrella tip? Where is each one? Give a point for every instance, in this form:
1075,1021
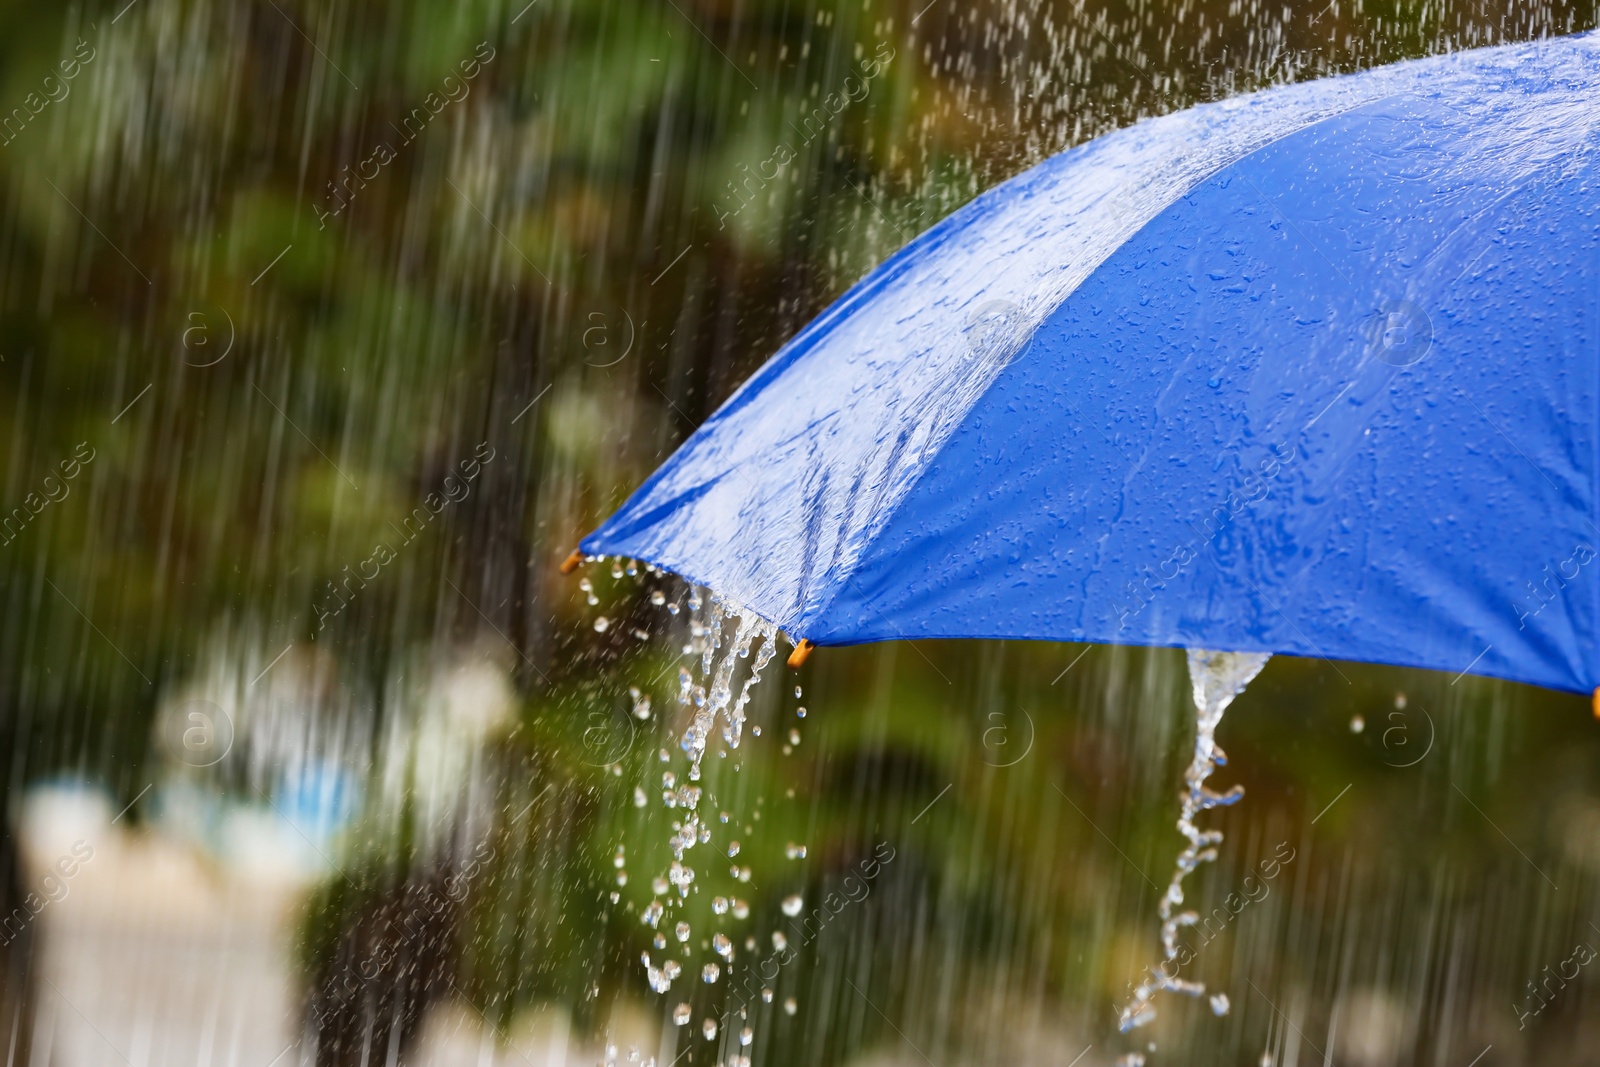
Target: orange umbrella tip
802,652
1594,702
571,563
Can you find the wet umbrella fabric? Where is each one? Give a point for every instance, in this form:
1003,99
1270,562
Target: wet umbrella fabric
1313,371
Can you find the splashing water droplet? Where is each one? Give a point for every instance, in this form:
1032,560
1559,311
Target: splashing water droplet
792,904
709,1027
741,910
722,946
790,1006
1219,1004
794,851
766,995
602,624
681,931
719,905
800,712
682,1014
746,1036
779,940
710,973
1357,724
733,849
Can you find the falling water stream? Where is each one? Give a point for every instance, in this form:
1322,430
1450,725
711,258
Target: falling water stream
1217,678
707,695
706,690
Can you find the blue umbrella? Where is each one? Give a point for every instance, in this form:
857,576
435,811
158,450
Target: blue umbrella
1313,371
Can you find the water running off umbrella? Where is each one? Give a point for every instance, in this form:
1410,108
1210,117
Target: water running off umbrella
709,695
1217,678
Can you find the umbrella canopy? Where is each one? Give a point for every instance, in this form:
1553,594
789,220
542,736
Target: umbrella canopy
1313,371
